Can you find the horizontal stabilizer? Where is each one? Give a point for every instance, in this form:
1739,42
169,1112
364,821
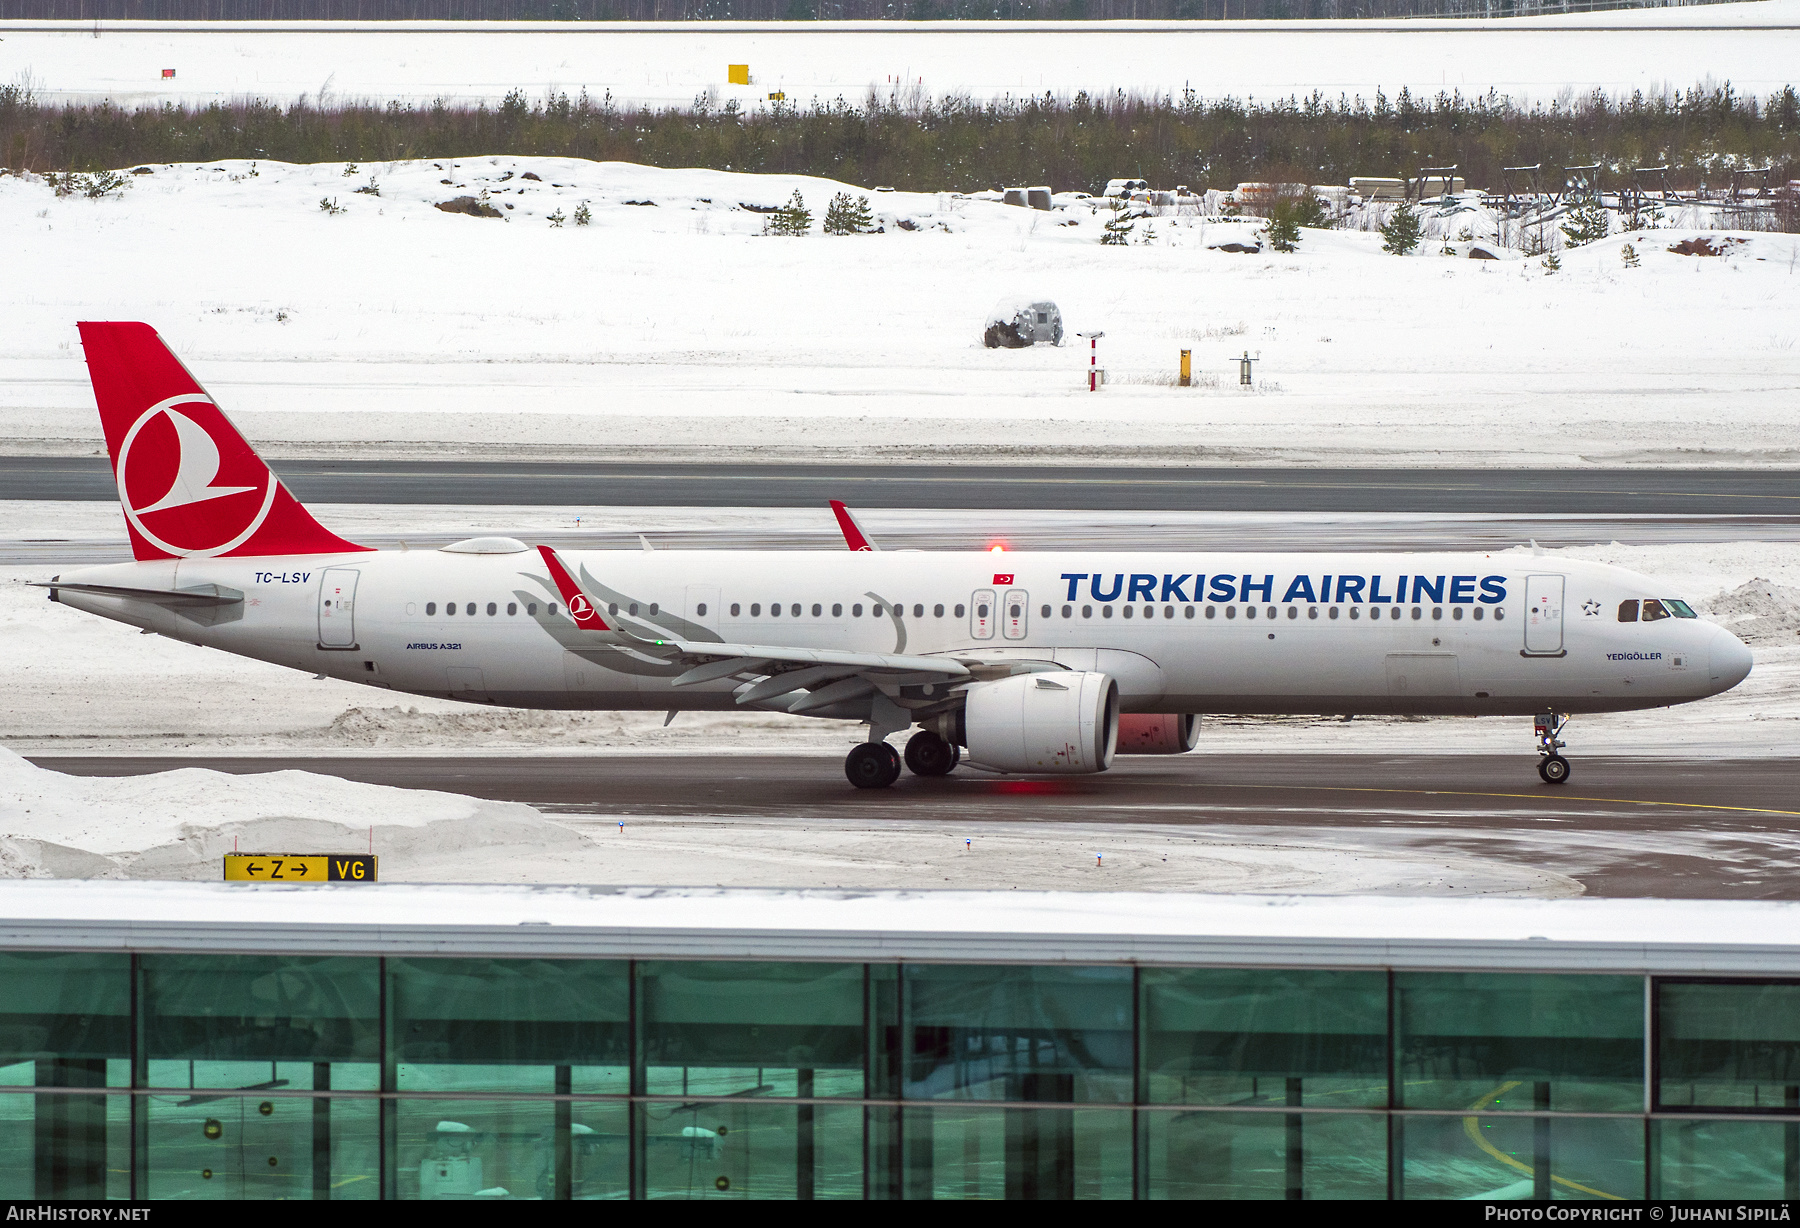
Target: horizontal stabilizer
198,595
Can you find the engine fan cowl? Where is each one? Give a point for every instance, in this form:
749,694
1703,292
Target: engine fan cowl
1158,733
1064,723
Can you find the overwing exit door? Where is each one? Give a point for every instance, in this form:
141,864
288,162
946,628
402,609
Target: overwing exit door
1544,615
981,614
1015,613
337,607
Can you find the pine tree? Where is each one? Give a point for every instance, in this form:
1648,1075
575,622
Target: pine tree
1586,222
1629,255
847,216
1118,227
791,220
1552,264
557,219
1401,232
1284,229
583,215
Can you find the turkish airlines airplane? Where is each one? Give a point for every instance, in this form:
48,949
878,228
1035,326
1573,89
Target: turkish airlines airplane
1023,662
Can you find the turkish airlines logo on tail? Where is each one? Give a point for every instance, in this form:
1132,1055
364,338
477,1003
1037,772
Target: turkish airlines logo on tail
182,491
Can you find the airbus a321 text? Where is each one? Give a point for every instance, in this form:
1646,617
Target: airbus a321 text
1019,662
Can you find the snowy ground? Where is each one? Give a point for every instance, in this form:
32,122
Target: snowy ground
175,825
1532,59
670,328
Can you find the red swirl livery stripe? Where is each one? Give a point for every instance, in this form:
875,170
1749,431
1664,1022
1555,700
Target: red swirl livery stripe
586,616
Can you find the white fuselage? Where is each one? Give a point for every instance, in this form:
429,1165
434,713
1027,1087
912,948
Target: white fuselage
1472,634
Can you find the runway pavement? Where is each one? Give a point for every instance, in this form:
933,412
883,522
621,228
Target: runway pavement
1611,492
1623,827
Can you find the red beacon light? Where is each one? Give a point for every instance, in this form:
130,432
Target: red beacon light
997,548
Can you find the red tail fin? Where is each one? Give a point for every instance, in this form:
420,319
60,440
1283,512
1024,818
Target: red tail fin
190,485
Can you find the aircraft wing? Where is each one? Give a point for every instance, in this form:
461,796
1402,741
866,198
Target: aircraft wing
827,675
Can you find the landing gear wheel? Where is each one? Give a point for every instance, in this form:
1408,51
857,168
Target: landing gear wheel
872,765
927,754
1554,769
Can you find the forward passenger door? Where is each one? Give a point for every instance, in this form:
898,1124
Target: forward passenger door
1544,616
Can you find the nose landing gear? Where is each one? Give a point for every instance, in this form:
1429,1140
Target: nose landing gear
1552,767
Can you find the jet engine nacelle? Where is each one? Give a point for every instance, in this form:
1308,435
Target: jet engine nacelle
1065,722
1144,733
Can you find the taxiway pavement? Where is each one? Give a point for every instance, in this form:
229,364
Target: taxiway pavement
1610,492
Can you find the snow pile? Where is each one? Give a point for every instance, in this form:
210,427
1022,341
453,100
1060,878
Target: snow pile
177,824
1758,612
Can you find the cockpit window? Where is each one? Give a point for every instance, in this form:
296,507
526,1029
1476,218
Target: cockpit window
1653,610
1680,609
1628,611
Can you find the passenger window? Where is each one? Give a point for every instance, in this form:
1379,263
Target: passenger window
552,609
1087,611
654,607
1437,613
1129,613
1499,614
470,608
856,610
1249,612
700,609
1418,613
531,607
1653,610
774,609
1478,613
431,607
1044,612
1190,611
735,607
1105,611
1312,611
1068,611
1212,611
449,608
493,609
959,611
919,611
1230,611
1355,612
875,611
1456,614
937,611
612,607
512,608
1293,612
1334,611
818,610
1680,609
632,608
837,610
755,609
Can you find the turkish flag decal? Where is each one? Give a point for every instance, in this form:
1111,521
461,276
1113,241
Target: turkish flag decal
1003,579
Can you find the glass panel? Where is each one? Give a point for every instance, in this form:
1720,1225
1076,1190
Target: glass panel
1519,1041
1265,1155
505,1025
964,1151
1729,1046
232,1147
65,1146
1726,1158
256,1022
1000,1033
1265,1037
62,1017
743,1029
512,1149
740,1149
1522,1157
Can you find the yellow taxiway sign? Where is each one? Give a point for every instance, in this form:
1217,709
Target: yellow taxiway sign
299,868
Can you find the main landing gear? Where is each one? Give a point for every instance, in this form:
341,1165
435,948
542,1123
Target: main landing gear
876,765
1552,767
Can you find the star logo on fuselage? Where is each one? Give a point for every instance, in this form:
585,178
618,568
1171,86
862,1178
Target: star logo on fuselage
1591,608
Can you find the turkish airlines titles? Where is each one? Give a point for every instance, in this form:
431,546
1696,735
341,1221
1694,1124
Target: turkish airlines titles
1331,589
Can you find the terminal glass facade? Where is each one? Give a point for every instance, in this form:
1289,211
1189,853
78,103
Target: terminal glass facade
340,1077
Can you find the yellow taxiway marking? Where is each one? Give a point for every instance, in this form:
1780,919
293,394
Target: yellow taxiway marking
1537,797
1472,1127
